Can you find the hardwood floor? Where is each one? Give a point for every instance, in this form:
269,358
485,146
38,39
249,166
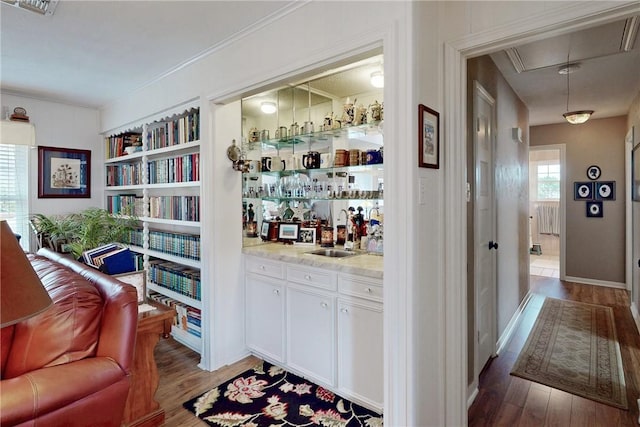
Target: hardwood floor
505,400
181,380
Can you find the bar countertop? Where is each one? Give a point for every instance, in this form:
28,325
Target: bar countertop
361,264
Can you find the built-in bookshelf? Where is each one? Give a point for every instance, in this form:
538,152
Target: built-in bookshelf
157,180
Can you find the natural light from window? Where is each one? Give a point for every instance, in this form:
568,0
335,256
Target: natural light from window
548,181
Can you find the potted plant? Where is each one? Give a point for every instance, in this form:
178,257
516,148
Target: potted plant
81,231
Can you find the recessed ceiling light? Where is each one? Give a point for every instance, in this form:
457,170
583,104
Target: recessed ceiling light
268,107
377,79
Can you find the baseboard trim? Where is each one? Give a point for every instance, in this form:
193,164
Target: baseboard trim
472,393
513,323
593,282
636,315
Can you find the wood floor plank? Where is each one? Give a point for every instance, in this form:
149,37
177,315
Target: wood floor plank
583,412
559,410
563,409
534,412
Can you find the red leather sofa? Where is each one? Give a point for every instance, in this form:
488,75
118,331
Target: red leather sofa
70,365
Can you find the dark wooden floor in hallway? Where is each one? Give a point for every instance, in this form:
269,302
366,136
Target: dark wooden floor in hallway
505,400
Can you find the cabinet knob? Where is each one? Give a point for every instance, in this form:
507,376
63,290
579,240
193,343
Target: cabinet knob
369,290
262,267
307,276
276,291
324,305
344,310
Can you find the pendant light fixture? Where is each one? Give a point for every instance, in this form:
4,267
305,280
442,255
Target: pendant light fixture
573,117
377,79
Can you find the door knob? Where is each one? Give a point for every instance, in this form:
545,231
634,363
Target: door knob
493,245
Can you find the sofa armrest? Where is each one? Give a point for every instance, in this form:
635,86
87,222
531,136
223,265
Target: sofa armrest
120,314
37,393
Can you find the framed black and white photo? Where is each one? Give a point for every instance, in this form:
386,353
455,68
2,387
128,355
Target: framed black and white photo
594,209
428,137
593,172
306,236
288,231
583,191
64,173
605,190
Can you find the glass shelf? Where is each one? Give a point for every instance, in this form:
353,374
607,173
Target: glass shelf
332,170
348,132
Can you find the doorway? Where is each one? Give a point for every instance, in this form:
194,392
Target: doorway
546,168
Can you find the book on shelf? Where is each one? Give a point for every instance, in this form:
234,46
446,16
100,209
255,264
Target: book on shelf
111,258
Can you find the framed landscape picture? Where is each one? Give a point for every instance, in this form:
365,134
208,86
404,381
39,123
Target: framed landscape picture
64,173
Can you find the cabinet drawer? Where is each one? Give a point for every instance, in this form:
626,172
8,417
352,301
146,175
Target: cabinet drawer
370,289
265,267
307,276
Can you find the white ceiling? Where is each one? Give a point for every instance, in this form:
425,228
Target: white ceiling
91,52
607,81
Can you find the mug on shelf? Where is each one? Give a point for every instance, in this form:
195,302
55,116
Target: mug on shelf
276,164
341,158
374,157
266,163
325,160
311,160
354,157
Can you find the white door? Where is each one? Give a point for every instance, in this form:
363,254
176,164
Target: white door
484,227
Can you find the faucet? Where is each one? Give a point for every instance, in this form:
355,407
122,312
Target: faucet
375,208
346,215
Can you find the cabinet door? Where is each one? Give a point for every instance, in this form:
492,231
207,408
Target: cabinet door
311,334
265,316
360,351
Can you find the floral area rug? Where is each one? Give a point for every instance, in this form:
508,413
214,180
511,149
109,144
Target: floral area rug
270,396
573,347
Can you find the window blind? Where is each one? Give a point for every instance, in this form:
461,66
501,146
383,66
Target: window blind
14,181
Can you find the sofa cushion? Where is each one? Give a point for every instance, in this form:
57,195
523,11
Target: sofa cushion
65,332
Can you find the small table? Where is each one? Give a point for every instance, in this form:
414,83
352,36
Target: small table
141,408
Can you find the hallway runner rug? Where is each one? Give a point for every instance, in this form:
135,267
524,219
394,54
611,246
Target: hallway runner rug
268,395
573,347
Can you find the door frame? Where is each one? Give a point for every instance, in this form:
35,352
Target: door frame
571,18
480,91
562,148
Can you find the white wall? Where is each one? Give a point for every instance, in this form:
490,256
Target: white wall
68,126
425,375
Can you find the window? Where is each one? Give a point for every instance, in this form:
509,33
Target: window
548,181
14,177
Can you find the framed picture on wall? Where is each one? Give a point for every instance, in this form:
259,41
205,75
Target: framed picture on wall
583,191
594,210
428,137
64,173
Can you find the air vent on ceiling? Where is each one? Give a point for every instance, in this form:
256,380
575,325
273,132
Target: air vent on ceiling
43,7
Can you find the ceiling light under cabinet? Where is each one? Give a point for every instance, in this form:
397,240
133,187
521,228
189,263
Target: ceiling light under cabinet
268,107
377,79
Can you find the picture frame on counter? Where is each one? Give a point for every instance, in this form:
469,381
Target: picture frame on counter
64,173
307,236
264,230
288,232
428,137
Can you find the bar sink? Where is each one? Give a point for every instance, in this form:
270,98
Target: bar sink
333,253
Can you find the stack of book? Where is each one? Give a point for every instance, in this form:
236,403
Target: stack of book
187,318
111,259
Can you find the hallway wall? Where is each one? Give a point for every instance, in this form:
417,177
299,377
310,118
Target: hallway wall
595,249
511,189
